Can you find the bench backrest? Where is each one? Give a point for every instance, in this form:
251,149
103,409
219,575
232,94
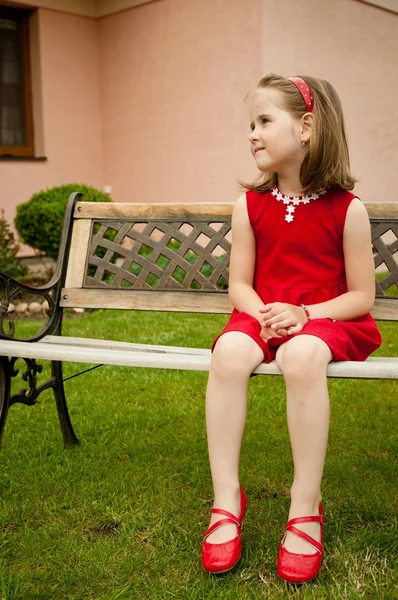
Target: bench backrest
175,257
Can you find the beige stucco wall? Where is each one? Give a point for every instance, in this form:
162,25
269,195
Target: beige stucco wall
174,76
68,120
106,7
355,46
175,73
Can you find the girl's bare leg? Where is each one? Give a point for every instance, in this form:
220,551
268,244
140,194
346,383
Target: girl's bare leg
235,356
303,361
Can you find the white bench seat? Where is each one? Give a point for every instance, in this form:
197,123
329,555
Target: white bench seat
95,351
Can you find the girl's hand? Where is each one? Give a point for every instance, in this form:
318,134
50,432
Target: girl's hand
280,315
268,333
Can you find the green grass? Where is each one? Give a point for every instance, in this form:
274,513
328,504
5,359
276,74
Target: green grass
122,516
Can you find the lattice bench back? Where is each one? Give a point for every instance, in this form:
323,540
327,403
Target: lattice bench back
175,257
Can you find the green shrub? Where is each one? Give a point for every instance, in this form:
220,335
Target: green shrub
39,220
9,262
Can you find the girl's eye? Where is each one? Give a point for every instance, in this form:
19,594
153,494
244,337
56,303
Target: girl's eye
263,121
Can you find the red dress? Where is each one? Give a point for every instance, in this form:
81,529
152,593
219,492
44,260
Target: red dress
300,260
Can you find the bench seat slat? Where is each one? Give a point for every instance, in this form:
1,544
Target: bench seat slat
96,343
186,359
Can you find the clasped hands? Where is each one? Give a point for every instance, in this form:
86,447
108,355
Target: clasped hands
281,319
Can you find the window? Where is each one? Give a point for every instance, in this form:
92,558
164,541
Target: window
16,122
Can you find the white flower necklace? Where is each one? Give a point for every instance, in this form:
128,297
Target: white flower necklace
293,201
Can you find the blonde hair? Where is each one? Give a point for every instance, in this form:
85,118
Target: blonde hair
327,161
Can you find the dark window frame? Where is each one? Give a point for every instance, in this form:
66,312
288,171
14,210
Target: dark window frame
22,16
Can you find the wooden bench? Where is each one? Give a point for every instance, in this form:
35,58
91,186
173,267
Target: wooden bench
160,257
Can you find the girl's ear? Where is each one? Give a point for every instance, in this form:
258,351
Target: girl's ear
307,123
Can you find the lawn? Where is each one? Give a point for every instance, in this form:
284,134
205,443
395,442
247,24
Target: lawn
122,515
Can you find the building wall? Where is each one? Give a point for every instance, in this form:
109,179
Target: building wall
174,77
67,110
105,7
355,46
175,74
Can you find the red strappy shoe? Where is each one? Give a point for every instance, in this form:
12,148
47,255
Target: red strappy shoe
219,558
299,568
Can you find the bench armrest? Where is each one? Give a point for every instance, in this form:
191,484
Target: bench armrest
11,288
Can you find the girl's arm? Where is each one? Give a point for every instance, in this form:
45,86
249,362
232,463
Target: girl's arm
359,268
242,263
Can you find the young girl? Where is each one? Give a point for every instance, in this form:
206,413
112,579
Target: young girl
302,286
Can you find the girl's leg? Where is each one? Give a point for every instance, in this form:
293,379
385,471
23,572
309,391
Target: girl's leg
303,361
234,358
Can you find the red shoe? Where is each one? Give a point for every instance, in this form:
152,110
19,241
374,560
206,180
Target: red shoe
299,568
219,558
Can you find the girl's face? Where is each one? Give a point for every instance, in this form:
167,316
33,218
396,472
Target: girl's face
276,135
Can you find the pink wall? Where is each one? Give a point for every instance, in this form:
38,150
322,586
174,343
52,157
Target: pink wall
174,76
70,120
175,73
355,47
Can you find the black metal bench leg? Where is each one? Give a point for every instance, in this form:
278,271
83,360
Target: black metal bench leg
5,390
69,436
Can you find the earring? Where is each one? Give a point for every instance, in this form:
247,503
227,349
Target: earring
303,143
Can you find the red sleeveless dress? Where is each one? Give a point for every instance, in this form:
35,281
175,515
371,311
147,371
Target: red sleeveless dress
300,260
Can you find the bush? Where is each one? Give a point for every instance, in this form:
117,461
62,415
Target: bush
9,262
39,220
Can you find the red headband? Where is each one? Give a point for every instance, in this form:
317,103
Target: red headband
304,90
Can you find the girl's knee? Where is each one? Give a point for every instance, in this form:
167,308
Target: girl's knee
235,354
304,357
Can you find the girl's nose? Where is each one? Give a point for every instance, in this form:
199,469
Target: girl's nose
253,135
